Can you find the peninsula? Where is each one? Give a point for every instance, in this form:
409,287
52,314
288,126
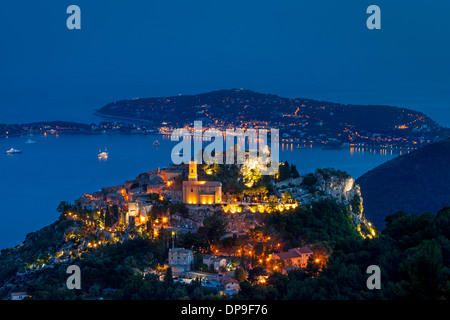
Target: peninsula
300,121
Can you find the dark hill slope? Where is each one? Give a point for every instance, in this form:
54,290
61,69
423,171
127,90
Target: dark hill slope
415,182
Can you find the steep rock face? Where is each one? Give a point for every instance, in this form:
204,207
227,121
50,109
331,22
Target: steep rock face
342,187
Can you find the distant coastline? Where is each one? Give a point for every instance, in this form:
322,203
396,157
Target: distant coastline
300,121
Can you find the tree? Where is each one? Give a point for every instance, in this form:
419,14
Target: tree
425,277
197,294
312,268
168,278
272,201
239,274
255,273
64,207
259,249
198,262
309,180
196,283
108,218
213,227
283,171
279,282
101,219
286,196
294,171
179,292
95,290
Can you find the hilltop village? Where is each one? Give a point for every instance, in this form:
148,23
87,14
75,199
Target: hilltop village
192,193
212,220
179,198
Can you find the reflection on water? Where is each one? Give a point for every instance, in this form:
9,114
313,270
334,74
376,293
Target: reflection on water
352,150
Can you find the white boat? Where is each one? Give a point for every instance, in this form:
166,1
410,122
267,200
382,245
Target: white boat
29,141
13,151
103,155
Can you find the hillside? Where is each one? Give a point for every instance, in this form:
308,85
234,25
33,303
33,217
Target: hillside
298,119
128,260
99,225
415,182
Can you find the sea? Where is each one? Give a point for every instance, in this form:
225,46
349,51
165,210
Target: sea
63,167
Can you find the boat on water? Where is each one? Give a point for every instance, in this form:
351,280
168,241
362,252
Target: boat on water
29,141
156,143
103,154
13,151
298,147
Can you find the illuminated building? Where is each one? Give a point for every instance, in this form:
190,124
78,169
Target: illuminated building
214,262
138,210
192,171
181,258
200,192
296,257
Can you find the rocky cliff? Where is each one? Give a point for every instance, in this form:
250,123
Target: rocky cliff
343,188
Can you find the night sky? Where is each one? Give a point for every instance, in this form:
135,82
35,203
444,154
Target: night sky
316,49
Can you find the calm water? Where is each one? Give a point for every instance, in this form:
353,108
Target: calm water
62,168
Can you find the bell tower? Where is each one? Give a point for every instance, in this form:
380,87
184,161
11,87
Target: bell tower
192,171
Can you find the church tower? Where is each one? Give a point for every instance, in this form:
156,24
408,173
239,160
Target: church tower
192,171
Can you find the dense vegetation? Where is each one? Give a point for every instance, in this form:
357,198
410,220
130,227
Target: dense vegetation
325,221
413,253
117,272
415,182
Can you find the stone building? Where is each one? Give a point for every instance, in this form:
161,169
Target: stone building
200,192
181,259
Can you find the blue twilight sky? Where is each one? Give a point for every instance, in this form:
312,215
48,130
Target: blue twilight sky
295,48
